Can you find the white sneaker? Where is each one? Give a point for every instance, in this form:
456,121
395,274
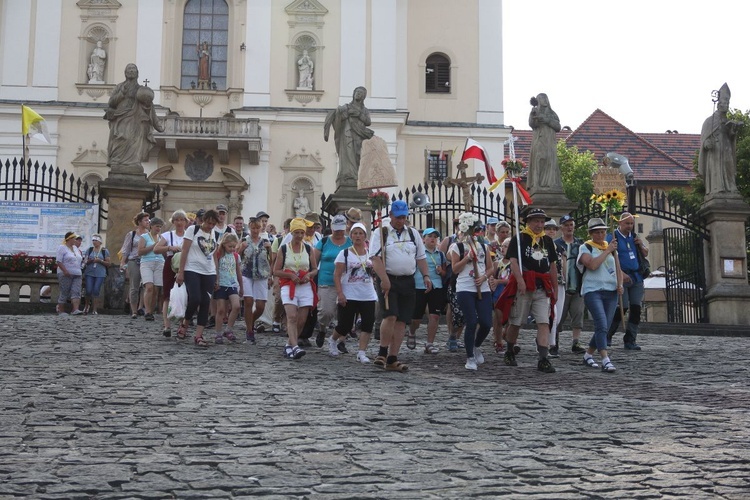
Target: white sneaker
478,356
362,357
77,312
471,364
333,350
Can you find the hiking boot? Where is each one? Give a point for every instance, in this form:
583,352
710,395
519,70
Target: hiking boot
510,359
577,348
545,366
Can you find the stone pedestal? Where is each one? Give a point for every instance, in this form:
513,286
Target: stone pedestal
728,294
125,195
554,204
345,198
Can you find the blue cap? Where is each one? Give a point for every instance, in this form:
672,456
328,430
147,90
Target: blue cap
429,231
399,208
492,221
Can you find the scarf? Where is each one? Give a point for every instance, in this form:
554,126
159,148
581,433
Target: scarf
601,246
535,237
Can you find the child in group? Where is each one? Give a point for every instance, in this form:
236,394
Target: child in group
228,288
497,284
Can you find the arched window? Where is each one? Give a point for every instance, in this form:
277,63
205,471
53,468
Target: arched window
205,36
438,74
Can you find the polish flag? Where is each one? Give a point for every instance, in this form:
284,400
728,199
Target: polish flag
475,151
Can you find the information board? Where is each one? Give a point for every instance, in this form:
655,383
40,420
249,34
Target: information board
38,228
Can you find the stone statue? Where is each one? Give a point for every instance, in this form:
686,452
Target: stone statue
131,119
544,172
306,66
717,159
349,123
301,204
96,64
204,66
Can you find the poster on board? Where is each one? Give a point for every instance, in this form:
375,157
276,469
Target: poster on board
38,228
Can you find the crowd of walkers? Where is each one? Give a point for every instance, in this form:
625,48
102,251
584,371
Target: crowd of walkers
347,283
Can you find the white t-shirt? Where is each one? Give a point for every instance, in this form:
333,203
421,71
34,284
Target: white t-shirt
200,257
172,240
356,282
465,279
401,253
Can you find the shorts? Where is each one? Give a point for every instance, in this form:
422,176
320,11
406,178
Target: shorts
401,298
303,295
347,314
152,271
535,303
434,301
224,292
70,288
255,289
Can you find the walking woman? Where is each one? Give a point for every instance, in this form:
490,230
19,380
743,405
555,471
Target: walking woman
198,272
69,274
472,264
355,293
170,243
295,267
96,264
152,267
326,251
256,276
600,289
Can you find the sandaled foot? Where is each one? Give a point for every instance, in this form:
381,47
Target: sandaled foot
396,366
379,361
590,362
608,367
167,332
182,332
198,340
411,342
229,335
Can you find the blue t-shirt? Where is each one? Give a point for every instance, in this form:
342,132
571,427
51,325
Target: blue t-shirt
328,253
627,253
602,278
434,260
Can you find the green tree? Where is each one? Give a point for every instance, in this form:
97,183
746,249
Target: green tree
577,170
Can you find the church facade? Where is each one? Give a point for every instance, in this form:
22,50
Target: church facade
243,88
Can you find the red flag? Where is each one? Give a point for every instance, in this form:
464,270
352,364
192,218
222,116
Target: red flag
475,150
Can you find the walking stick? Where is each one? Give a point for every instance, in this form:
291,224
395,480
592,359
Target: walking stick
619,284
384,238
476,267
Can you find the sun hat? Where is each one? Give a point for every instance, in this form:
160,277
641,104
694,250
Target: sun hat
354,214
312,217
338,223
399,208
70,235
551,223
536,213
596,223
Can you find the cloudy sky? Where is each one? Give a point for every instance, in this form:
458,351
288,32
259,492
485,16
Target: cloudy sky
651,65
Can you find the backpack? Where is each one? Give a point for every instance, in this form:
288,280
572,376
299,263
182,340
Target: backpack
581,269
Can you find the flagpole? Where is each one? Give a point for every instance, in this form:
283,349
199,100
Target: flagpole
518,225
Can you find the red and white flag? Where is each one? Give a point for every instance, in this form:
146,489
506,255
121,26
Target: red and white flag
474,150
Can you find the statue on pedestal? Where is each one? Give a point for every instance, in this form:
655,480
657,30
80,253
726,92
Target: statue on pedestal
96,64
131,119
544,172
204,66
301,204
306,67
349,124
717,159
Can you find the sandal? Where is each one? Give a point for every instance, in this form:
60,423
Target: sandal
182,331
608,367
198,340
167,332
411,341
431,349
590,362
396,366
379,361
229,334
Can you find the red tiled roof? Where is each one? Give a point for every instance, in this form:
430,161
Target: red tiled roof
660,158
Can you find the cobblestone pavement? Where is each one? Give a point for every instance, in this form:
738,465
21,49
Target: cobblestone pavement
105,407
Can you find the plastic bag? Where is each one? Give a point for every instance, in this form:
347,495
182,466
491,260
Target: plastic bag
178,298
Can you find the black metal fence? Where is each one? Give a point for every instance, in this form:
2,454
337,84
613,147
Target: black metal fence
685,276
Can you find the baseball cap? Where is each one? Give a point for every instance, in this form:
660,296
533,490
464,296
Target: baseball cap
429,231
201,212
262,214
338,223
221,208
492,221
565,218
399,208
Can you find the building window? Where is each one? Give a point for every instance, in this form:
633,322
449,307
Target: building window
438,165
204,45
438,74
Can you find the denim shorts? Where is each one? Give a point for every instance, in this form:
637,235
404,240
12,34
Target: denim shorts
224,292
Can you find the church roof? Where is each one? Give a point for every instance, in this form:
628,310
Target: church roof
654,158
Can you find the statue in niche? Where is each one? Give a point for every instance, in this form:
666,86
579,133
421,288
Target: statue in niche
717,158
204,66
131,119
349,124
301,204
306,67
96,64
544,171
